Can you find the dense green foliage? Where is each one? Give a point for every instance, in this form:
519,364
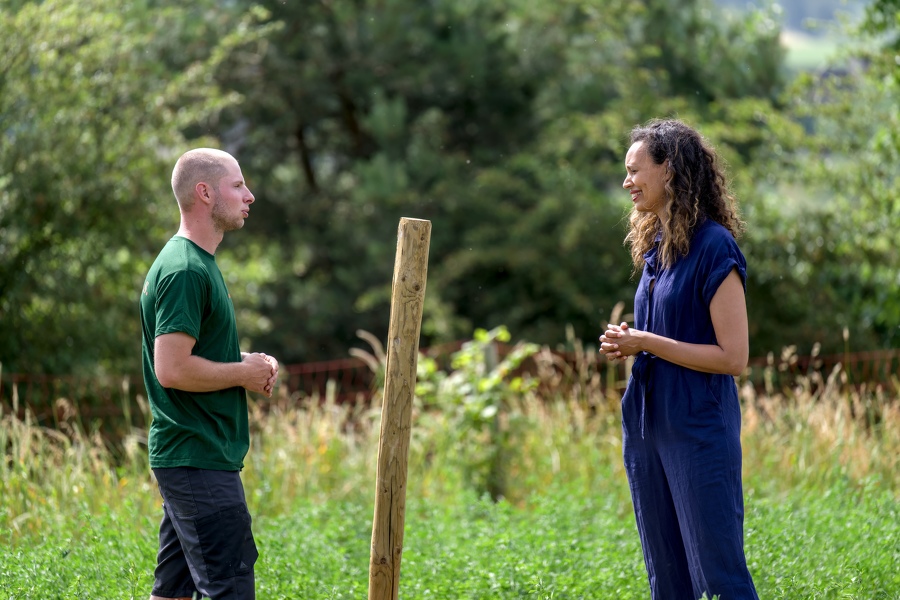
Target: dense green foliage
94,106
503,122
853,160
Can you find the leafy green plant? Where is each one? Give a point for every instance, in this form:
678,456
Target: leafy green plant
474,395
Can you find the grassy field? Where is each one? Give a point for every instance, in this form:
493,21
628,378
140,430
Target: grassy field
839,544
78,515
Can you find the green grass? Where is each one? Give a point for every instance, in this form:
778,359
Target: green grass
838,544
79,517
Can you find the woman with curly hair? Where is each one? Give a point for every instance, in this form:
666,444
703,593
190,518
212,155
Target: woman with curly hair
681,418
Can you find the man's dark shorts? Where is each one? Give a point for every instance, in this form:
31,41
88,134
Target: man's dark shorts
205,543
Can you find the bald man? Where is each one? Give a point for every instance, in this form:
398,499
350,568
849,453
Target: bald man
197,378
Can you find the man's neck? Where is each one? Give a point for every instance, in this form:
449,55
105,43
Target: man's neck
205,237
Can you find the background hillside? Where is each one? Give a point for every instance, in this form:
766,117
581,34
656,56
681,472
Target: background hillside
812,30
803,15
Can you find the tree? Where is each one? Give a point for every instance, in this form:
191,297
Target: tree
502,122
847,239
95,100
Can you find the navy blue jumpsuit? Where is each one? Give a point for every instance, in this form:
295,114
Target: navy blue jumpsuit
681,433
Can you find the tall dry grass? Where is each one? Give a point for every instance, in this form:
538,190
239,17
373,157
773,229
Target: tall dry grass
51,475
821,431
818,434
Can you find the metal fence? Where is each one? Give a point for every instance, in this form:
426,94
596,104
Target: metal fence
347,379
877,368
51,398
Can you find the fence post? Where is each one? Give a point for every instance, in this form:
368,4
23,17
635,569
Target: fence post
407,299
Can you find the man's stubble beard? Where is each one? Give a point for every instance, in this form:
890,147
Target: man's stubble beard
221,220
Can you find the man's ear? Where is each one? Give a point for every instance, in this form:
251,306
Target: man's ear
204,192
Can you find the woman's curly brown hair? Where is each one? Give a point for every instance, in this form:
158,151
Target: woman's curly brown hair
695,189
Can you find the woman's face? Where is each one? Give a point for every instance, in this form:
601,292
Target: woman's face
645,180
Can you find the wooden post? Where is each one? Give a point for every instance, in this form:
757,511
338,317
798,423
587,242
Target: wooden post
407,298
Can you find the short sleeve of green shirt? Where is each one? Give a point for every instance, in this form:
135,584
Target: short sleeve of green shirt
180,298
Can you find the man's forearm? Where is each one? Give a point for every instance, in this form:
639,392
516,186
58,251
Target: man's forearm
197,374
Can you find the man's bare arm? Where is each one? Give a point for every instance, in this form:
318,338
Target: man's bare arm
177,368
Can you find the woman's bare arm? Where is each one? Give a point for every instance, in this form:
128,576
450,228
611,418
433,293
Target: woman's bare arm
728,310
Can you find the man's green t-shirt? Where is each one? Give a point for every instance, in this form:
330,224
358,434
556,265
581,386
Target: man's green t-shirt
185,292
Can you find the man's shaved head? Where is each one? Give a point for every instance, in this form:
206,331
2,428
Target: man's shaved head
206,165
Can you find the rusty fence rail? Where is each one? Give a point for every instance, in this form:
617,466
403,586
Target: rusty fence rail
872,369
347,379
52,398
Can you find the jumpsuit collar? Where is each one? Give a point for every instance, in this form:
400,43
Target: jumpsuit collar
650,258
651,255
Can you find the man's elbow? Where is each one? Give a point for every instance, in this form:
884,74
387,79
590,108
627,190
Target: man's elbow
166,376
